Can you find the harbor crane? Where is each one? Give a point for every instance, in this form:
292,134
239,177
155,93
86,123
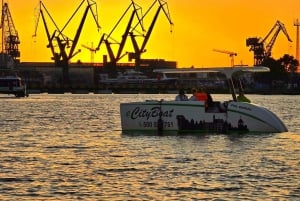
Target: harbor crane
10,37
257,45
108,40
58,42
138,50
231,54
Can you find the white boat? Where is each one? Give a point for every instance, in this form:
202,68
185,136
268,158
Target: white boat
134,77
13,85
229,116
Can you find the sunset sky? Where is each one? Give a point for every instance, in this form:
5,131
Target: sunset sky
199,27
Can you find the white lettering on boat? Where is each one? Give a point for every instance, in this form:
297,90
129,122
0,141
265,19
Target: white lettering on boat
150,124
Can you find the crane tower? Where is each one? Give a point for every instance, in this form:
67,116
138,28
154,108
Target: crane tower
63,48
10,38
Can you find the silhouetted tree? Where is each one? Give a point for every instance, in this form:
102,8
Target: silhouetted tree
282,70
290,63
277,71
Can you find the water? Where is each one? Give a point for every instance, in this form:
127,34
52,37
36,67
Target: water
70,147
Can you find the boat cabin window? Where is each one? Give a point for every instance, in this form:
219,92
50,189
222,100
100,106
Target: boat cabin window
10,82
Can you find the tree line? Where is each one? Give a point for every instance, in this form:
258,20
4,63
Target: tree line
283,73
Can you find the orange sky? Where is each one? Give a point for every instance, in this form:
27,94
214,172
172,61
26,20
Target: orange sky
199,27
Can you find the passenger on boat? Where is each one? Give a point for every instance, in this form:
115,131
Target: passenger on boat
242,98
209,100
201,95
181,96
194,93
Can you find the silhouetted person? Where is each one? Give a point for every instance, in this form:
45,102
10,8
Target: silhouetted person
181,96
194,95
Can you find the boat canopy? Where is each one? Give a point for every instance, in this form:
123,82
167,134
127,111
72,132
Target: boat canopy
227,71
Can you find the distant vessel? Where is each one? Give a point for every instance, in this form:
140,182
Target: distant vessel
13,85
135,77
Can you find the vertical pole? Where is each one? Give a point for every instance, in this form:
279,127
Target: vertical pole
2,39
232,90
297,43
297,24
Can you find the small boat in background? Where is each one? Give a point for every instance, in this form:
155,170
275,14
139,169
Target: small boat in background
13,85
227,116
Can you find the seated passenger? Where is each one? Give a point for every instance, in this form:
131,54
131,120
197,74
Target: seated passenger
202,96
194,93
209,100
181,96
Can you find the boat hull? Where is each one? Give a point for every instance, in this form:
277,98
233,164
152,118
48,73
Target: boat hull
193,116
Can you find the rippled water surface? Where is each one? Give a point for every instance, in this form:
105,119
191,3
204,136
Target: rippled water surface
70,147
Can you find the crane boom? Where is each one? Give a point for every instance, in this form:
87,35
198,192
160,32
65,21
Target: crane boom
226,52
77,35
50,38
280,27
124,36
139,50
61,57
107,38
162,5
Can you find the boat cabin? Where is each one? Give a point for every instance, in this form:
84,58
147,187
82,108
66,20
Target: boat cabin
13,85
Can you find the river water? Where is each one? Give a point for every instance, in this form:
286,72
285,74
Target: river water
70,147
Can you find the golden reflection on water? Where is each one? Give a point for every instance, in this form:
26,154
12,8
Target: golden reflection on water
70,147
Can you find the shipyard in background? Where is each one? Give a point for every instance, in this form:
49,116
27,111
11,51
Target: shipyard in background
113,76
